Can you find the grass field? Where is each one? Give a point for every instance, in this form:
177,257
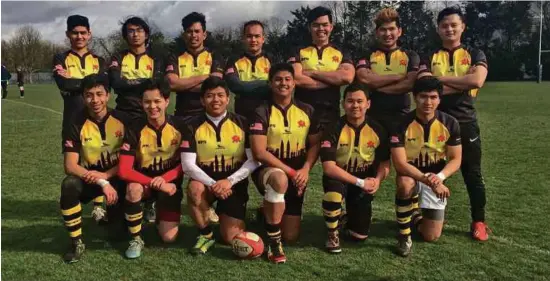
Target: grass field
515,123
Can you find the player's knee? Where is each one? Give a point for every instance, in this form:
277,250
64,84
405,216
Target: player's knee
169,237
405,187
134,192
71,186
431,236
227,236
195,193
278,181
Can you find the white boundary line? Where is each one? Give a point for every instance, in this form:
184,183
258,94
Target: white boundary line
35,106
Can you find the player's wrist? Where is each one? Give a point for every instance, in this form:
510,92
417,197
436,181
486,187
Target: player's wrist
441,176
291,173
360,182
103,183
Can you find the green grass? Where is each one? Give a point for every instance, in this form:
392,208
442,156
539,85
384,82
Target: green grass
515,122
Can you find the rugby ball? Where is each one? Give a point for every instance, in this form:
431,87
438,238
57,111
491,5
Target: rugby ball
247,245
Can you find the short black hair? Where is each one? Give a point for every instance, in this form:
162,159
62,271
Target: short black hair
95,80
318,12
354,87
252,22
280,67
427,84
77,20
213,82
157,84
135,21
192,18
450,11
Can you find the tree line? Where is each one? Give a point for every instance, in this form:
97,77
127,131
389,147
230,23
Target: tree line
508,33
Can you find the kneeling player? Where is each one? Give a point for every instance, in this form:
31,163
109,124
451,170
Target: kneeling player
284,137
149,163
355,156
426,150
91,143
215,154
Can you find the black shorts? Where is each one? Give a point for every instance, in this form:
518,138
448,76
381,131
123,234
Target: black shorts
358,204
293,202
235,205
91,191
168,207
20,84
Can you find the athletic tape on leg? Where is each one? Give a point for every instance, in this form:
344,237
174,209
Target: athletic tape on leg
273,196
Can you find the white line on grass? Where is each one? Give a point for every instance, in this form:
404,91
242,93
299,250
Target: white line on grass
36,106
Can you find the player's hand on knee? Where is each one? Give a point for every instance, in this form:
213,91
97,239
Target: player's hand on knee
168,188
302,176
371,185
432,179
110,194
221,188
442,191
157,182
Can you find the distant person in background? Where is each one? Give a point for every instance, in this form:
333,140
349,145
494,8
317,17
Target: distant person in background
6,75
20,82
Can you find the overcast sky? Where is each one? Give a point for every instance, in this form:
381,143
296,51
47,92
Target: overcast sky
50,17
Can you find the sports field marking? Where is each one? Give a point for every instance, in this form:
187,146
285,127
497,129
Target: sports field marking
36,106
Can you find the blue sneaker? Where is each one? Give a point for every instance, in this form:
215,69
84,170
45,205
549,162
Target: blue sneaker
134,250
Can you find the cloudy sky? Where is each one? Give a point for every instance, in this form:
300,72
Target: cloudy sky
50,17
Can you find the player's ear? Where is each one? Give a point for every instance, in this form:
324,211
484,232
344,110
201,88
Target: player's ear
399,31
68,34
367,103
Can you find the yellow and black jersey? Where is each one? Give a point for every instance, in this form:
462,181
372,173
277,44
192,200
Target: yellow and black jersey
386,62
187,65
287,130
127,72
327,58
76,67
97,142
426,144
456,62
358,150
156,151
220,149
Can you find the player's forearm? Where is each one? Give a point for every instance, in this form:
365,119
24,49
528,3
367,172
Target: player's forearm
311,156
173,174
112,172
450,90
246,88
189,167
184,84
307,82
246,169
68,84
466,82
383,170
75,170
333,171
402,86
127,173
375,81
334,78
121,84
452,166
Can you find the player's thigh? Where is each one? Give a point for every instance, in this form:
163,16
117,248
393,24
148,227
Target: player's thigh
405,186
232,212
432,224
359,210
230,227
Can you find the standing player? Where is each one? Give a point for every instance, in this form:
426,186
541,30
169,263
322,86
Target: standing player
389,71
425,150
215,154
285,139
6,76
462,70
130,69
149,163
21,82
188,69
321,68
91,144
355,156
69,68
246,74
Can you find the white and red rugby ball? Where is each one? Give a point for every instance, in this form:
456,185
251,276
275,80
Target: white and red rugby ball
247,245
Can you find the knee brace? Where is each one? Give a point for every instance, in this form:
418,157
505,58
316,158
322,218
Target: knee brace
273,196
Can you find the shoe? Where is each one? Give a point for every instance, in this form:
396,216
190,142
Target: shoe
212,216
203,244
333,243
275,253
75,252
99,214
149,212
21,97
479,231
134,250
404,245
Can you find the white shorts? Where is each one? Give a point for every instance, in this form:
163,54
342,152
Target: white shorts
428,199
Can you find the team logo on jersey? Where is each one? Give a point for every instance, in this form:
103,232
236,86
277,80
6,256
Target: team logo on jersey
236,139
335,59
149,67
326,144
301,123
96,67
465,61
257,126
403,62
208,62
441,138
118,134
370,144
87,139
201,142
174,142
69,143
394,139
170,68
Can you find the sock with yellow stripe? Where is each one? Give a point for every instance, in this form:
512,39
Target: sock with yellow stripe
416,217
206,232
273,232
98,201
332,209
403,211
134,215
72,216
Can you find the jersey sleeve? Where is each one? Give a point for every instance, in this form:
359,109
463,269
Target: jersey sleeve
397,137
382,152
315,122
454,131
363,61
259,124
188,144
130,142
329,143
479,58
425,64
230,68
172,65
71,138
64,84
294,56
346,57
217,63
244,124
414,61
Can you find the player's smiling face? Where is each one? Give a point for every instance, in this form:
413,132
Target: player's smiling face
427,102
356,104
450,28
79,37
215,101
136,35
321,29
282,84
254,38
96,99
387,34
154,104
194,36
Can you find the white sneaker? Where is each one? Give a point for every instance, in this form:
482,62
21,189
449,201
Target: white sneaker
99,214
212,216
